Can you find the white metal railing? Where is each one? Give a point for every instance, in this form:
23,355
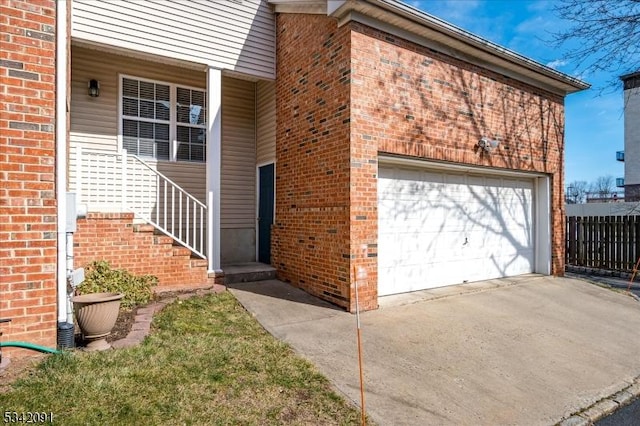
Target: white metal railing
111,181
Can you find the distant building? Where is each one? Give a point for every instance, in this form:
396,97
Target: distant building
631,153
613,197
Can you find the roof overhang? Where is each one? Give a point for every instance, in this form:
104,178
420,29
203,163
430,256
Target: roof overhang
630,81
630,75
407,22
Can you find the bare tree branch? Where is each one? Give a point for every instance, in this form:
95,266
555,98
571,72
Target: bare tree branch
603,186
577,192
606,35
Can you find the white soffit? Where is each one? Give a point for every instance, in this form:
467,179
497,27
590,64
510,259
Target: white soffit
135,54
314,7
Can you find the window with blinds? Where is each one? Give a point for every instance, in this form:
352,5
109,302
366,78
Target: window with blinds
163,121
190,127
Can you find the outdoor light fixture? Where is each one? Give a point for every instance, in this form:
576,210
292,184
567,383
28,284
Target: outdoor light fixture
488,144
94,88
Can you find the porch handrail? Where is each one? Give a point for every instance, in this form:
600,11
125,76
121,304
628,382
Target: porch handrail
149,194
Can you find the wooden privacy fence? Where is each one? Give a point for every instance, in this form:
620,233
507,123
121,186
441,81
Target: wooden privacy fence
606,242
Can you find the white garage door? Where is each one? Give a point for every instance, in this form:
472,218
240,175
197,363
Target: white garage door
437,228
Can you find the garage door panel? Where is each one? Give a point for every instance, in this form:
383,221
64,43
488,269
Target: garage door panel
441,249
389,285
520,237
445,228
511,264
413,277
495,265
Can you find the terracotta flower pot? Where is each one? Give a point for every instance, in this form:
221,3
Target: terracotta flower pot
96,314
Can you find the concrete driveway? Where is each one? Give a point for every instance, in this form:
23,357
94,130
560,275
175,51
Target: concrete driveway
530,350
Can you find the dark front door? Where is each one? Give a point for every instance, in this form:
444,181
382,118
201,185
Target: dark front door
265,212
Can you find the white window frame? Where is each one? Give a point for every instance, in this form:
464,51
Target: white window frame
173,118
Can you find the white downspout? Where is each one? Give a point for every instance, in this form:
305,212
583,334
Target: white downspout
61,153
214,161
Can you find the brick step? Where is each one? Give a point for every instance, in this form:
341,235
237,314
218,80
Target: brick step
248,272
198,262
143,227
162,238
179,250
141,249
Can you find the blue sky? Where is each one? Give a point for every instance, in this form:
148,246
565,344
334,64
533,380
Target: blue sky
594,122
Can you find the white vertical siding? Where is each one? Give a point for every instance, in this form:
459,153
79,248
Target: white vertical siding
237,208
232,35
266,122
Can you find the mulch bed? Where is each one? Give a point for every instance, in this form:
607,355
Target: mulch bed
125,321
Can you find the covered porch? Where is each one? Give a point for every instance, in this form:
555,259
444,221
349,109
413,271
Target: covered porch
187,148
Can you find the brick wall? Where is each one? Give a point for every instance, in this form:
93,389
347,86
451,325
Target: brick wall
27,171
410,100
310,241
345,94
113,237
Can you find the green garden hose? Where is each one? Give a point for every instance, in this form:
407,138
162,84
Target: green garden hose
30,346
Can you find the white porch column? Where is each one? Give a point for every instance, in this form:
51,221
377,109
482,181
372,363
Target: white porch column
214,155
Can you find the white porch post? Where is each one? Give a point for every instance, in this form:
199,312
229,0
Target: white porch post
214,142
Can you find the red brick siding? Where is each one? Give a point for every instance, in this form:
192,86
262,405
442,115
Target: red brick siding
27,171
410,100
310,243
111,237
402,99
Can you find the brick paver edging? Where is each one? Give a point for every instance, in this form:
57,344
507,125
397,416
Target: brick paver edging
142,321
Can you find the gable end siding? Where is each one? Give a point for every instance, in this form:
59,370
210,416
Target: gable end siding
226,35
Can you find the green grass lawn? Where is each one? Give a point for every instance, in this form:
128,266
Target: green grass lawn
207,361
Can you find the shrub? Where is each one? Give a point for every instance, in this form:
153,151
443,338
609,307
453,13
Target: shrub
100,277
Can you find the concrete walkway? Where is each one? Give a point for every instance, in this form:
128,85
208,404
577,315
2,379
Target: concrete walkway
529,351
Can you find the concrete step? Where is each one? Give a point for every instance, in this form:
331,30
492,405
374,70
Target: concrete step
248,272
